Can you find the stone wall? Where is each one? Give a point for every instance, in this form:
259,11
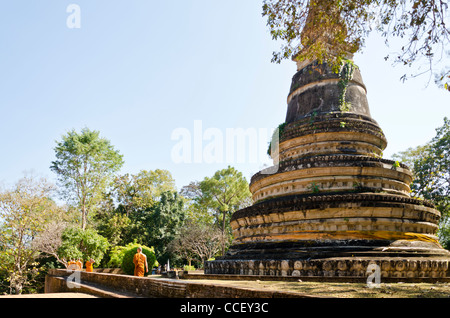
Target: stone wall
115,285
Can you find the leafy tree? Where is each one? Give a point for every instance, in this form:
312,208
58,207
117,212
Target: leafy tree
410,155
85,163
115,228
165,222
125,212
431,167
142,190
432,177
24,212
83,244
198,211
327,30
225,192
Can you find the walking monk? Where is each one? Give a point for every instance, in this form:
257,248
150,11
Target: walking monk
140,263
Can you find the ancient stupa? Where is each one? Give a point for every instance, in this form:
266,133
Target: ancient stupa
333,205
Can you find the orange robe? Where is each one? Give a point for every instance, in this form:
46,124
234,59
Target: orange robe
80,265
139,264
89,267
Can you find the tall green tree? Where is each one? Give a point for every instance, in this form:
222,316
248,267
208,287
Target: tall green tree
327,30
225,192
165,222
153,225
430,164
85,164
124,213
142,190
115,227
198,210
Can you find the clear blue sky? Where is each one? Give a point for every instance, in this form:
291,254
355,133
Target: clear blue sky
138,70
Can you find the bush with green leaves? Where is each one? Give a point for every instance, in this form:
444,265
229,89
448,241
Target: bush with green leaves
84,244
117,252
128,254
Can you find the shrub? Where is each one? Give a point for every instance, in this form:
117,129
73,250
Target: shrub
84,244
128,254
116,255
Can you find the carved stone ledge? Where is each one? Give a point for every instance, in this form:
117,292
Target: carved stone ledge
354,267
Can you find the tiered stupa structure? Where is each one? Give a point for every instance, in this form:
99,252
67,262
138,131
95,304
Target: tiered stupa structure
334,205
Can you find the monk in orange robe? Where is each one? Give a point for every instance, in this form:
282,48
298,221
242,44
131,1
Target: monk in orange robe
79,264
71,262
140,263
89,264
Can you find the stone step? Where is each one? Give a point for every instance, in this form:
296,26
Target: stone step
95,289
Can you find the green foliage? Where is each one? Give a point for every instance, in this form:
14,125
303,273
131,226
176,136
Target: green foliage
346,75
142,190
84,164
410,155
84,244
314,188
126,213
118,252
431,168
225,192
198,212
444,235
128,254
309,29
114,227
215,199
395,165
25,210
276,136
165,222
144,207
327,31
116,256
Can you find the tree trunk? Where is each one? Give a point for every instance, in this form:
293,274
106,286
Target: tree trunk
15,284
83,217
223,233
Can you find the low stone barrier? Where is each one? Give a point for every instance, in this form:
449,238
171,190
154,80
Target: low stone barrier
120,286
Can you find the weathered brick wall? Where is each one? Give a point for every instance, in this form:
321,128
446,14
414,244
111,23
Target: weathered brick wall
152,287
